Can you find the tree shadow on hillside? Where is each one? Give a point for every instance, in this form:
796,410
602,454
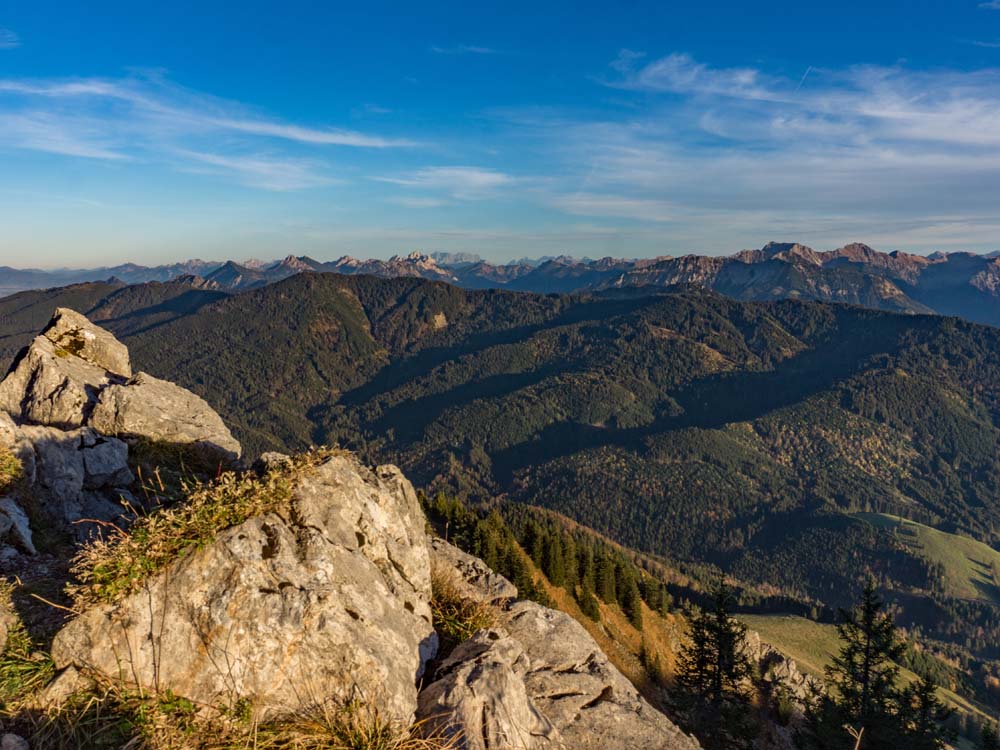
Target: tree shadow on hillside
709,403
399,372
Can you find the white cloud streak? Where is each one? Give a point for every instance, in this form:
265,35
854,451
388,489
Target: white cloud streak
462,183
146,118
463,49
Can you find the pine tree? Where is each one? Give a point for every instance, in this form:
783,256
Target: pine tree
628,595
714,665
588,603
694,674
537,541
923,716
604,578
570,563
553,564
585,566
863,681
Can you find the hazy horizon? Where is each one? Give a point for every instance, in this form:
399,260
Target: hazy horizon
155,133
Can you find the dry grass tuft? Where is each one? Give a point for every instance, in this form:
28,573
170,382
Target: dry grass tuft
113,718
457,617
23,668
11,471
111,568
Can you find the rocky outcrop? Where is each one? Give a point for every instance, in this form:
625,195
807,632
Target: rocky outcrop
76,374
327,599
779,671
537,682
69,407
147,407
73,333
474,579
583,695
479,697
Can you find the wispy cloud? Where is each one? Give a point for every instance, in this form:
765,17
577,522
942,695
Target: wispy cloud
8,39
591,204
743,152
464,49
258,171
462,183
150,119
679,73
990,5
414,202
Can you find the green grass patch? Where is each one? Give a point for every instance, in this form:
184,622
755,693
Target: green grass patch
971,569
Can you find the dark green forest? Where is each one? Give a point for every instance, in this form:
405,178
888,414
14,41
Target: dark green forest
758,438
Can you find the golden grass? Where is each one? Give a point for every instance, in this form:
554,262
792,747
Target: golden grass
112,717
457,617
11,471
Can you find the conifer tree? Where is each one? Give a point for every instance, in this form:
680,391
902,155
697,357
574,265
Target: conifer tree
862,681
604,578
553,564
923,717
714,665
585,566
628,596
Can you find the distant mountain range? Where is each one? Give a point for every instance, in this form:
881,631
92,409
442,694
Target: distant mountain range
961,284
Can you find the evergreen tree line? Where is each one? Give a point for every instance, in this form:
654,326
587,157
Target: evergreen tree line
863,705
488,538
587,567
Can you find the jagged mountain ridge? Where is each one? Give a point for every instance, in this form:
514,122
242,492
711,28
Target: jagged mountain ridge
962,284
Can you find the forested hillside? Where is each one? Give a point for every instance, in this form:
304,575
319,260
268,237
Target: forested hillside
757,437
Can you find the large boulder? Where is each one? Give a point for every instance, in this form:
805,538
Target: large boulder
478,697
80,477
74,334
328,598
572,683
50,386
538,682
155,409
67,408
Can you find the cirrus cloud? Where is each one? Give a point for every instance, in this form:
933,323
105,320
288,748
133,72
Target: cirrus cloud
147,118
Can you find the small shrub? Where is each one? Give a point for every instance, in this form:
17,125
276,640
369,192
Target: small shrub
456,617
11,471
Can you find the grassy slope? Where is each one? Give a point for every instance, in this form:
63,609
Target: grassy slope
812,645
970,567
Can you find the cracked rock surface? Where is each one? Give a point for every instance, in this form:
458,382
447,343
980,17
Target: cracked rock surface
539,682
327,600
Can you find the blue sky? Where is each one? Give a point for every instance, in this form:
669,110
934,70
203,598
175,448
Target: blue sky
156,132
